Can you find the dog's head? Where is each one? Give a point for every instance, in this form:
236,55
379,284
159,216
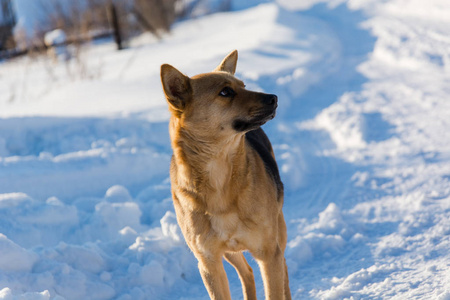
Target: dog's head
216,102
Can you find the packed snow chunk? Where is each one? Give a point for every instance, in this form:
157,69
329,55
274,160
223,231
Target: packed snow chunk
100,291
128,235
357,281
13,199
85,258
153,274
14,258
152,205
6,294
391,245
324,245
330,220
153,241
51,214
170,226
304,249
116,216
117,193
70,283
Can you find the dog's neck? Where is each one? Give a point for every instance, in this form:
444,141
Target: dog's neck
200,145
209,166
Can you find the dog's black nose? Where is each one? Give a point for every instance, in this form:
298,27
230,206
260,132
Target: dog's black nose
270,99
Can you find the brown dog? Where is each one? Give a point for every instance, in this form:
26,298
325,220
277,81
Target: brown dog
226,186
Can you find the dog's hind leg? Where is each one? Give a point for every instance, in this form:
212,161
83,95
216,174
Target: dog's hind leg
214,277
273,273
282,234
245,272
287,290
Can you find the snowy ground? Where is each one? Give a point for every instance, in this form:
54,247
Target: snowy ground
362,139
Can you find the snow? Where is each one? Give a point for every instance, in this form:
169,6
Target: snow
11,252
57,36
361,138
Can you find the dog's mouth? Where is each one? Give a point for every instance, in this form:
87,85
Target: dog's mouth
257,120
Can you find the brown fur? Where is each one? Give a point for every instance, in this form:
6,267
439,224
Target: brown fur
227,197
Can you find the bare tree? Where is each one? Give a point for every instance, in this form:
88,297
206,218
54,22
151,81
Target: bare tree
7,23
158,14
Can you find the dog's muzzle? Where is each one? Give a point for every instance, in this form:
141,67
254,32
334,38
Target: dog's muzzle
269,99
259,117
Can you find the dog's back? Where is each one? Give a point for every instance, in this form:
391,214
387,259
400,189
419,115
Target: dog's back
258,141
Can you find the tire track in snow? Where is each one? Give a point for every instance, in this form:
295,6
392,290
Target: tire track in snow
319,185
315,179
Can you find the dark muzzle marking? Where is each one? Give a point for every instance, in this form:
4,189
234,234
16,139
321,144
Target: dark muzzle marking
241,125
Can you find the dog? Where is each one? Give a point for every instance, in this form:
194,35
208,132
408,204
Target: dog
225,182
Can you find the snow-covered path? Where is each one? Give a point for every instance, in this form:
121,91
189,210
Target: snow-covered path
361,138
389,189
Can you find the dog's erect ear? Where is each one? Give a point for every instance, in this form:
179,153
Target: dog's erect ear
177,88
228,64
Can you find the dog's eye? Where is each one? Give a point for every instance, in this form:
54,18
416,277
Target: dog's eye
227,92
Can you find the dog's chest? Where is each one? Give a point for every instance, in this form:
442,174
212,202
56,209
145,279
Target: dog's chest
218,174
229,230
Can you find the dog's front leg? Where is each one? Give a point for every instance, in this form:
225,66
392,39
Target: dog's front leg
214,277
273,273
